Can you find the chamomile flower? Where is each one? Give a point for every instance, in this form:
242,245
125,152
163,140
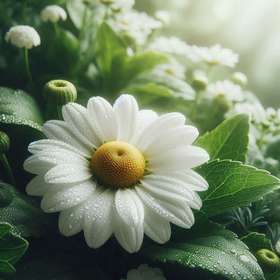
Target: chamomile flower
173,69
117,170
215,55
23,36
134,25
144,272
163,16
53,13
227,89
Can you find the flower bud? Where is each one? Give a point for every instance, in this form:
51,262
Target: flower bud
199,81
4,142
60,92
239,78
268,259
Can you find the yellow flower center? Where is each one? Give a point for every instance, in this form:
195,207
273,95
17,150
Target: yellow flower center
118,164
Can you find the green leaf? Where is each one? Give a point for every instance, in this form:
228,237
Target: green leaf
18,108
273,276
109,49
229,140
12,248
208,247
76,9
141,63
233,184
22,212
256,241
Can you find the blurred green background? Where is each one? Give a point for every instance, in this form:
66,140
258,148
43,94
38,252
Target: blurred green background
249,27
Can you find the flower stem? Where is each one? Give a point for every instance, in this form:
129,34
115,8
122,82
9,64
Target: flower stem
7,168
27,66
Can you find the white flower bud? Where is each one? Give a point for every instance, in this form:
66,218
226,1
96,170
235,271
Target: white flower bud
163,16
53,13
239,78
23,36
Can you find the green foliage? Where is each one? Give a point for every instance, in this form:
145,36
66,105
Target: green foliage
18,108
22,212
229,140
12,248
233,184
211,248
256,241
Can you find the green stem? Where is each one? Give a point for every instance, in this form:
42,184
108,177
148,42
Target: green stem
55,29
59,111
8,169
84,20
27,66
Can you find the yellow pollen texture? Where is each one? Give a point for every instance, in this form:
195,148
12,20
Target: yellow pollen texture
118,164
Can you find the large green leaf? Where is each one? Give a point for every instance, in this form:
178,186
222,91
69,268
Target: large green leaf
18,108
256,241
22,212
110,49
76,10
229,140
208,247
12,248
233,184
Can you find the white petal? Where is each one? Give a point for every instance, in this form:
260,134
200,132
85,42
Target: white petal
55,201
179,159
37,186
146,117
98,223
43,161
157,228
67,173
129,237
171,190
126,111
102,119
129,207
162,123
59,130
170,138
76,117
71,220
179,214
50,145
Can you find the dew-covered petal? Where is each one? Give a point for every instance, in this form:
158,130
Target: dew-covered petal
156,227
77,119
59,130
130,238
160,124
98,223
170,189
102,119
129,207
37,186
67,173
180,158
171,138
70,221
126,112
55,201
179,214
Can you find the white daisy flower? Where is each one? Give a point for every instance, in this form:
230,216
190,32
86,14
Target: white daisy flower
170,45
23,36
215,55
144,272
135,25
173,69
53,13
227,89
117,170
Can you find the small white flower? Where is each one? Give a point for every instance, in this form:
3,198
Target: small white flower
135,25
215,55
255,111
227,89
53,13
163,16
117,170
171,45
23,36
144,272
173,68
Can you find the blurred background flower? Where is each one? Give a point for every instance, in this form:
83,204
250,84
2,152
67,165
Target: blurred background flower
249,27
